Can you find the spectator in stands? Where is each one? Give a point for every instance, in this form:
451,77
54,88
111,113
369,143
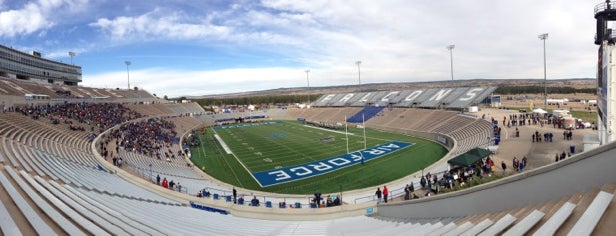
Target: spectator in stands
378,195
254,201
205,193
385,193
158,179
336,201
556,159
422,182
317,198
234,196
165,183
504,166
407,192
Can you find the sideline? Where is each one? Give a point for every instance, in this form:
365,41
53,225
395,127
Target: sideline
236,158
222,143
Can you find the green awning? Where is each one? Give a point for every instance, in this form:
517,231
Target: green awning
470,157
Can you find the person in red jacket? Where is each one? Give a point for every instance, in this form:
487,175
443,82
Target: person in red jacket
385,193
165,183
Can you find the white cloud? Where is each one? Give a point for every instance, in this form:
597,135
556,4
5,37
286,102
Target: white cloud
166,81
36,16
397,40
157,25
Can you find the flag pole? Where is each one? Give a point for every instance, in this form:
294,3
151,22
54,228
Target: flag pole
346,133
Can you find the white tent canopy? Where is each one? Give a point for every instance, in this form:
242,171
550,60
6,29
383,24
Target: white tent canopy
539,111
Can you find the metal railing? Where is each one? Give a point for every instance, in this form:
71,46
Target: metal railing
605,6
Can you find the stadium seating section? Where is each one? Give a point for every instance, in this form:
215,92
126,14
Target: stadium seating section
54,181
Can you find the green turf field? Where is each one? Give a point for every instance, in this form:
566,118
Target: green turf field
288,143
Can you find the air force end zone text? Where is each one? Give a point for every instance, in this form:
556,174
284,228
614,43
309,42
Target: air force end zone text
293,173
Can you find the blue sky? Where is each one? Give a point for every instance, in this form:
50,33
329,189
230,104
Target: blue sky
216,46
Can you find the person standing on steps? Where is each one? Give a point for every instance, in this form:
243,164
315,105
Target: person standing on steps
385,192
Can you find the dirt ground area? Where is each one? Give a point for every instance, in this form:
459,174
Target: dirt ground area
538,154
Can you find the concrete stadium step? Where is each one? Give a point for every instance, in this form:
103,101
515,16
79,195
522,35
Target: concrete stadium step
460,229
499,225
583,202
522,226
478,228
606,225
442,230
555,221
592,215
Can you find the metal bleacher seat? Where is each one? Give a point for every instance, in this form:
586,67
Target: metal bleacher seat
588,221
7,224
557,219
60,205
89,215
521,227
481,226
33,218
56,216
428,228
91,211
499,226
133,223
448,227
460,229
9,156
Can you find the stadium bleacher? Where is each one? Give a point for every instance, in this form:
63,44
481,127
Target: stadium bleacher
365,114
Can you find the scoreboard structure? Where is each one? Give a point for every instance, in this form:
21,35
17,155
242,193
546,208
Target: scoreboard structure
605,14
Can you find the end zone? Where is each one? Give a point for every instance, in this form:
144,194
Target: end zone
307,170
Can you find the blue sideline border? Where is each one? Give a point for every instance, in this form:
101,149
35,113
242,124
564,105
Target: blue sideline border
308,170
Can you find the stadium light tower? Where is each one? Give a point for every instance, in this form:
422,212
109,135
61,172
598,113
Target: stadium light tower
545,78
450,48
71,54
308,84
358,63
127,73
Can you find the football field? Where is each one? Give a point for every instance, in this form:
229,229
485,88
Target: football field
291,157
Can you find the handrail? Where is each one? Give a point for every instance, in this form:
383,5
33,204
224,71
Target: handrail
605,6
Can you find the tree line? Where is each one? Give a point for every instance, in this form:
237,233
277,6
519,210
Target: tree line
264,99
505,90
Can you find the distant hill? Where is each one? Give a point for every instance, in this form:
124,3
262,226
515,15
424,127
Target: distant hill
577,83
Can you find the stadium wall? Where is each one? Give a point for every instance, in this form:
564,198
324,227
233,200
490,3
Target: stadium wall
579,173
